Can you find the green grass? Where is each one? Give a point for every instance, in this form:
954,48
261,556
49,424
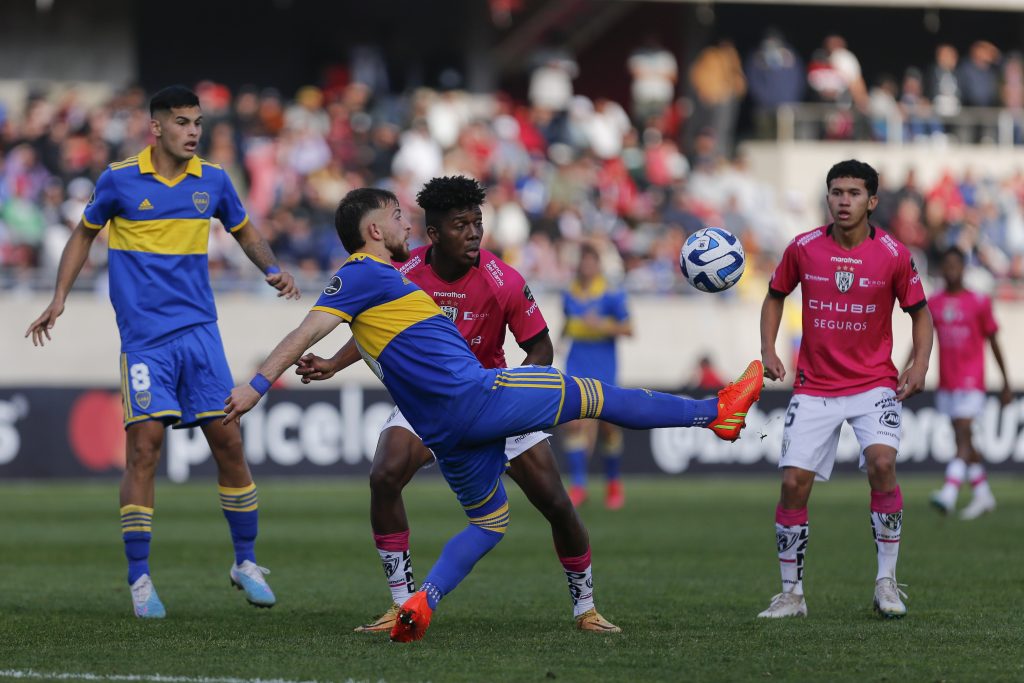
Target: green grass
683,569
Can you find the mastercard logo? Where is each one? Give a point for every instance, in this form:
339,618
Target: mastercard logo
96,430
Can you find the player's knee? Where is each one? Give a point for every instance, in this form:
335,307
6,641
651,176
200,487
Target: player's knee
142,458
386,478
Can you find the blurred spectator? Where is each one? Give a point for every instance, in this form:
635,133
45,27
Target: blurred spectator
718,85
1013,92
706,376
775,74
884,108
943,86
551,89
978,77
915,108
654,72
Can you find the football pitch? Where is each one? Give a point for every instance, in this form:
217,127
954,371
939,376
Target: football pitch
683,569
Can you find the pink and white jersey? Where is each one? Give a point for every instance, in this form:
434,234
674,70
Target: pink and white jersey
963,321
848,297
491,296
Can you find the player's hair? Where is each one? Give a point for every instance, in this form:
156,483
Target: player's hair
441,195
172,97
851,168
954,251
351,210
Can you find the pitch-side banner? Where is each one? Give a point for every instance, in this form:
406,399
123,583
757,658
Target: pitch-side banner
78,433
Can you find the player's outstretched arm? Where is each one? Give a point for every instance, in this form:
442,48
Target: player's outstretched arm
1006,395
259,252
312,367
771,320
922,332
314,327
76,251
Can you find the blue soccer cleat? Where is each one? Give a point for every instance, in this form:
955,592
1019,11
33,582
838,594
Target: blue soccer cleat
145,602
248,577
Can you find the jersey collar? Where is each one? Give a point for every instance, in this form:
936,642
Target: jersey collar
194,167
871,232
360,255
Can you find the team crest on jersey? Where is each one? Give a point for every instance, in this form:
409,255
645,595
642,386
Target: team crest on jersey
201,200
844,280
143,399
333,287
450,312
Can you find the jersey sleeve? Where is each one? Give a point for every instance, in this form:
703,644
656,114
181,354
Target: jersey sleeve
989,326
229,209
350,292
786,276
522,314
907,283
104,203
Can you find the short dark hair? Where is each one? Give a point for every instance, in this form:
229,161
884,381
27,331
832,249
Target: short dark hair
954,251
441,195
351,210
851,168
172,97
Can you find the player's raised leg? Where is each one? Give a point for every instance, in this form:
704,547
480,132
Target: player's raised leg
143,442
791,535
400,454
887,527
240,503
536,473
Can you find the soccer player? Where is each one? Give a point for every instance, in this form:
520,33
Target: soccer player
963,321
595,316
158,205
851,274
462,411
482,295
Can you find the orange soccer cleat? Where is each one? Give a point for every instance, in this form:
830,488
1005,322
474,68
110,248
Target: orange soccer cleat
735,400
413,619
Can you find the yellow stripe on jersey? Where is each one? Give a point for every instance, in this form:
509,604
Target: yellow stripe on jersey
495,521
591,397
171,236
91,226
333,311
375,327
578,328
126,402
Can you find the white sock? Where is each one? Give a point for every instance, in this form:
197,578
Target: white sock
792,546
398,570
581,590
887,527
979,480
955,473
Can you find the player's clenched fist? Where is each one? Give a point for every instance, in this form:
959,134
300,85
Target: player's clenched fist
314,368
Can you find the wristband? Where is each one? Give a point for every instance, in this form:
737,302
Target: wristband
272,270
260,383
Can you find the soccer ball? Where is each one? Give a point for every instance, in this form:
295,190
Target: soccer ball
712,259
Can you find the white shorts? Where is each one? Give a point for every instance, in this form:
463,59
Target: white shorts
514,445
960,404
811,435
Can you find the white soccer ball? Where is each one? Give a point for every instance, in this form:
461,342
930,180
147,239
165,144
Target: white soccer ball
712,259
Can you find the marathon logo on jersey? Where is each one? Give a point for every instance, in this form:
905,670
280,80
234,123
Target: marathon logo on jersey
450,312
201,200
890,419
333,287
847,260
844,280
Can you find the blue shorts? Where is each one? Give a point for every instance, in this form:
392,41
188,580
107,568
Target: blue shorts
182,382
515,401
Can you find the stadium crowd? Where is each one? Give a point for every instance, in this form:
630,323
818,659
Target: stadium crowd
634,178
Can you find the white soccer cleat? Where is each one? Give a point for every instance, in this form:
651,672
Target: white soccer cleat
785,605
248,577
979,505
942,501
145,601
889,598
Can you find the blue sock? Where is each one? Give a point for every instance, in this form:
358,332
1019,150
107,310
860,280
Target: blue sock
240,507
577,459
613,466
634,408
136,531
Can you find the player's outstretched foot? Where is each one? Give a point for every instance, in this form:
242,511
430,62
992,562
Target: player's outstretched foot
979,505
592,621
413,619
941,502
614,497
145,601
889,598
384,622
785,605
578,495
248,577
735,400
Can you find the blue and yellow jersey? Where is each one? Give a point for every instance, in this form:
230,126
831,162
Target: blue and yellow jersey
592,353
159,232
415,350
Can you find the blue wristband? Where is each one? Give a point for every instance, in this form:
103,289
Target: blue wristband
272,270
260,384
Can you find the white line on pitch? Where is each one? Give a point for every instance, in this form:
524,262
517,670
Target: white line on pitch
156,678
